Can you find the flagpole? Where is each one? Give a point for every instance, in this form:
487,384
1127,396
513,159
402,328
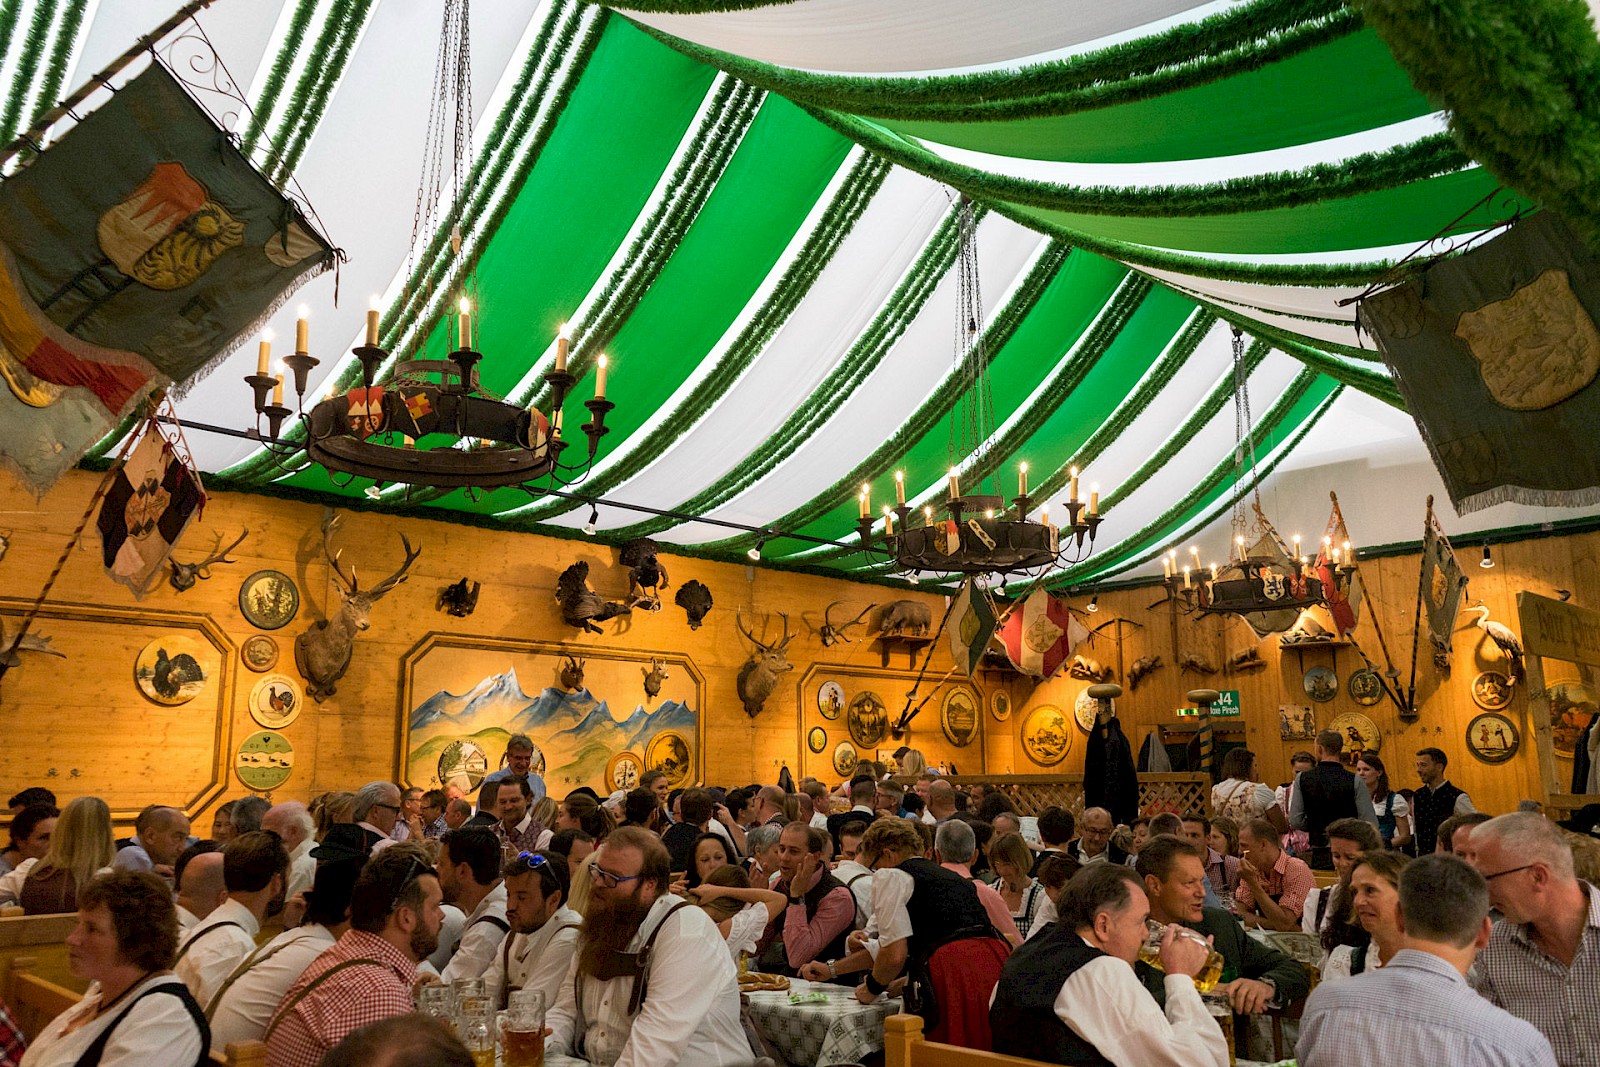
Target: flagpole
1416,621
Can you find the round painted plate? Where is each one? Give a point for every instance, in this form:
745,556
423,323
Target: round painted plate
958,716
1365,687
276,700
1086,708
260,653
265,761
844,758
463,764
623,771
868,719
669,751
1000,705
1493,737
830,700
1360,733
817,739
269,599
1046,735
171,670
1491,690
1321,684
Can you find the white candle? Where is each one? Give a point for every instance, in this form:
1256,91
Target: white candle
1022,480
464,327
372,323
955,485
600,378
1166,565
1094,499
302,334
866,500
555,427
263,357
899,487
1186,577
277,390
888,521
562,343
1072,490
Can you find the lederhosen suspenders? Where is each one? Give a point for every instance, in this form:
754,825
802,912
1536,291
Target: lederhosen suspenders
492,920
260,955
641,972
851,885
506,988
91,1055
189,944
285,1008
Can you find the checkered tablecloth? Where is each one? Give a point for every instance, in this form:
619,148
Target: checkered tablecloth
839,1030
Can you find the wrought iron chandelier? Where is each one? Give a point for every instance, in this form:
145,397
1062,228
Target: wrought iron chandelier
432,422
1263,581
975,532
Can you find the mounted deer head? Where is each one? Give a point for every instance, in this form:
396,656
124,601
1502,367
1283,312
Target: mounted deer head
322,652
759,676
184,575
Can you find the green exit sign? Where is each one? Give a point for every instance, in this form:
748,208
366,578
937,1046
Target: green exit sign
1226,707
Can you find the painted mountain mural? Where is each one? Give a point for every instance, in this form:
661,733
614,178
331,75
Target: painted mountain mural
576,734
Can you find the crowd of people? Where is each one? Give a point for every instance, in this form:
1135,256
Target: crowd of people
1441,931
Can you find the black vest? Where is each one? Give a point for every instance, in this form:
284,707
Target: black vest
1429,808
1023,1017
941,904
773,958
1328,794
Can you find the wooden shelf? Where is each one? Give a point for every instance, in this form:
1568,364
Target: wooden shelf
887,643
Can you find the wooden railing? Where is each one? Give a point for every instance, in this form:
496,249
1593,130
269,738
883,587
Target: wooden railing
1032,793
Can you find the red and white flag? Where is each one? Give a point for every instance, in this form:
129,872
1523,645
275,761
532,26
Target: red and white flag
1040,634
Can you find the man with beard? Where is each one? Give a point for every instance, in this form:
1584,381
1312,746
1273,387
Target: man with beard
469,877
368,974
254,869
652,984
544,931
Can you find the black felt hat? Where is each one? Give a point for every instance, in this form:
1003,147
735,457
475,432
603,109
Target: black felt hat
1586,821
345,841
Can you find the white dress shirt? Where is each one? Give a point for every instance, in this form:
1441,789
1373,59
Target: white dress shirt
133,858
538,960
158,1030
11,881
211,957
1104,1003
480,938
859,879
1043,915
187,920
241,1009
302,868
745,930
690,1013
450,930
891,892
819,820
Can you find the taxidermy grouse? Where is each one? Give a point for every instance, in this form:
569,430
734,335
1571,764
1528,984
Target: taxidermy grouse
168,676
581,606
646,576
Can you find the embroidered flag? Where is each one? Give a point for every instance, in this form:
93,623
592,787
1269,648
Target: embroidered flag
971,625
1040,634
135,252
1497,353
1442,583
150,503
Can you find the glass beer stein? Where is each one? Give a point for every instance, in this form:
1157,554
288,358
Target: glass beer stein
522,1030
1150,953
475,1021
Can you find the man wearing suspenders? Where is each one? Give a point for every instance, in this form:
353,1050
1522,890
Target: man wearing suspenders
254,868
469,876
652,983
544,931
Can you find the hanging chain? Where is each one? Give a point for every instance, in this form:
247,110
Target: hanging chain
1244,446
449,123
973,425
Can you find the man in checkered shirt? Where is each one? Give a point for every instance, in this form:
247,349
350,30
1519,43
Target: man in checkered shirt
1543,959
1419,1009
368,974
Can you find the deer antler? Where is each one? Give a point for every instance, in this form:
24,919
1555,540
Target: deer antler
738,620
787,636
398,576
827,614
330,523
222,556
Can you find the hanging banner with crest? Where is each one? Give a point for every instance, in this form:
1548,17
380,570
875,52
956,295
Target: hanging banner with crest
1497,353
135,252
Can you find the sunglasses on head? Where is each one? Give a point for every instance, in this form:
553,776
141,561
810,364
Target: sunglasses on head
540,865
416,869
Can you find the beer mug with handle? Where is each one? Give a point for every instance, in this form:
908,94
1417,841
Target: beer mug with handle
522,1030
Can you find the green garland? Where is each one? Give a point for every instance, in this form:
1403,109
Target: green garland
999,330
860,185
1521,82
27,66
293,44
60,56
690,7
10,14
318,81
1244,38
1375,383
1370,172
910,296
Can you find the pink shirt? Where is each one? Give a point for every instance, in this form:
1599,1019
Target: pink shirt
804,938
993,903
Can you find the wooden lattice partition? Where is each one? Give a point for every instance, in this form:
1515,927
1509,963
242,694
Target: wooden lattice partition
1032,793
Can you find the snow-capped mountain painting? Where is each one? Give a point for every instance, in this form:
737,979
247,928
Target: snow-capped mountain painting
576,733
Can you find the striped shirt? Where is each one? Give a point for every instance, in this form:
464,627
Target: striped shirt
1563,1002
1417,1010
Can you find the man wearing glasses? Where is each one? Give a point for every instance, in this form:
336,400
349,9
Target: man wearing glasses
1542,962
652,984
544,931
368,974
376,809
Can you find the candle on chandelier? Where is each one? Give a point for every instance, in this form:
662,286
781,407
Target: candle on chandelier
277,390
562,343
888,521
1022,480
1094,498
464,325
1194,550
927,513
372,323
1186,577
555,426
600,378
263,357
1213,571
1327,548
1166,565
302,331
899,487
1296,544
865,504
1044,515
1336,557
1072,489
1349,554
955,485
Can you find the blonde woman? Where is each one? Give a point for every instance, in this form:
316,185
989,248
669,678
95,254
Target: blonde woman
81,847
913,763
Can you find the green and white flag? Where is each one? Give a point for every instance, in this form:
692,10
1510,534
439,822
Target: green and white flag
971,626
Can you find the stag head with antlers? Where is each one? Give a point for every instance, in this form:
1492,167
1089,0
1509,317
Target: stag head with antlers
759,676
322,653
184,575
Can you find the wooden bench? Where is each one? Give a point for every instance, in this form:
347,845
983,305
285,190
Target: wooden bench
42,939
35,1001
904,1046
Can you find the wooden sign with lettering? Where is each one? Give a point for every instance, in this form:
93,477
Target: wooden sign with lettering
1559,630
